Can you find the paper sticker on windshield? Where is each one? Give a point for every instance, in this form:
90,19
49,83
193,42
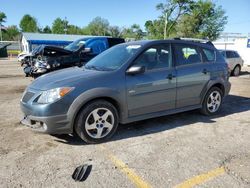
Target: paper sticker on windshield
133,46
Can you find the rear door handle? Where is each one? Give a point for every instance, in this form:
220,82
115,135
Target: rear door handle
170,76
205,71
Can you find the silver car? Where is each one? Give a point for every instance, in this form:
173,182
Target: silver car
235,62
126,83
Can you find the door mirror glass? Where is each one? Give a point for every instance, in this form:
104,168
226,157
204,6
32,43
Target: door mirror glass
86,50
135,70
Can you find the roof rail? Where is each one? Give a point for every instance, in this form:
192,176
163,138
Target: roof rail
195,40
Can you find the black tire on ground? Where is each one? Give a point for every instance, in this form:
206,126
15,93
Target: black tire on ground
205,109
236,71
81,119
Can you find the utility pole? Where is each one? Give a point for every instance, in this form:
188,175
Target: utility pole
1,37
65,25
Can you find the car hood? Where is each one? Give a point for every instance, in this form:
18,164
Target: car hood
64,78
47,50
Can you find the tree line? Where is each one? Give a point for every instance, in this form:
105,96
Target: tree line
178,18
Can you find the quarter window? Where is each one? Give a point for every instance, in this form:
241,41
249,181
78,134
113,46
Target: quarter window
236,55
186,54
210,55
156,57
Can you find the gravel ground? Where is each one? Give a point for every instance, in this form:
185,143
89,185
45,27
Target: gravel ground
161,152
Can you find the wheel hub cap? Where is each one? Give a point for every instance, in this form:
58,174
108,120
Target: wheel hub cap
99,123
214,101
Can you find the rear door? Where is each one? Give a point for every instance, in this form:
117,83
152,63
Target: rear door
155,89
193,73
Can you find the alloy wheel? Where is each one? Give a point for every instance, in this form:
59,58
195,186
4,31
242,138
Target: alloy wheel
214,101
236,71
99,123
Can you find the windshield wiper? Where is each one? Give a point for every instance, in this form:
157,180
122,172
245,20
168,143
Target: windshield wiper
91,67
98,68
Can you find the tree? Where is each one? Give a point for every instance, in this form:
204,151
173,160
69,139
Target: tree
115,31
133,32
28,24
73,29
99,26
3,18
206,20
46,29
11,33
171,12
155,29
59,26
85,31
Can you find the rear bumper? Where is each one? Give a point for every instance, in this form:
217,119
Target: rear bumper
50,125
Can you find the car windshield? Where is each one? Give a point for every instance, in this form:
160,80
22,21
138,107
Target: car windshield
76,45
113,58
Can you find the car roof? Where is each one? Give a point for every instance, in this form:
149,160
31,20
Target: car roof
227,50
152,42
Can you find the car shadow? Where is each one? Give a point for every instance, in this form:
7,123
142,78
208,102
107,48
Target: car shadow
243,73
232,104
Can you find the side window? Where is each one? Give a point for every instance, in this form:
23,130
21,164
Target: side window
156,57
209,54
186,54
97,46
230,54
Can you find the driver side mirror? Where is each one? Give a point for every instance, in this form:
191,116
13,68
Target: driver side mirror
86,50
135,70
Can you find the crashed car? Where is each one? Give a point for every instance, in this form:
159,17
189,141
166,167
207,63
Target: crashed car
49,58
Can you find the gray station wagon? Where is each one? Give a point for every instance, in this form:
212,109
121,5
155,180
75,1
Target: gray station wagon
128,82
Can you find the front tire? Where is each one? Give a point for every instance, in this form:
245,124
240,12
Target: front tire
236,71
97,122
212,101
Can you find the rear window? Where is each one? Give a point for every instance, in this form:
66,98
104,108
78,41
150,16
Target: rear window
209,54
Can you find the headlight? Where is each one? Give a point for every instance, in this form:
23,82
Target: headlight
53,95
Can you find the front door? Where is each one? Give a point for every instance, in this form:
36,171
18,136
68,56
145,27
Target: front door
155,89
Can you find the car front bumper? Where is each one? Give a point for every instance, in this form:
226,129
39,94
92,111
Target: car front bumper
49,118
50,125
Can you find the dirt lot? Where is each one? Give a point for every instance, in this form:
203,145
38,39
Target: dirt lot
182,150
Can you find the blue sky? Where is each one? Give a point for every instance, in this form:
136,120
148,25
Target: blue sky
118,12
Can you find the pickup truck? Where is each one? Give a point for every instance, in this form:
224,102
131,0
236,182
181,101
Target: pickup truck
45,59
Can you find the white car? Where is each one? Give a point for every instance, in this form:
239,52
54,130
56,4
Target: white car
235,62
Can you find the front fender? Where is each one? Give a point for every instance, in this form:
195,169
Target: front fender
96,93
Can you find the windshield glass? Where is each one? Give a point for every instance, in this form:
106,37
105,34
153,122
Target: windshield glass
76,45
113,58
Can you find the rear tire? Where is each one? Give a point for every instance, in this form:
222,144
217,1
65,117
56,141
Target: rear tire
97,122
236,71
212,101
